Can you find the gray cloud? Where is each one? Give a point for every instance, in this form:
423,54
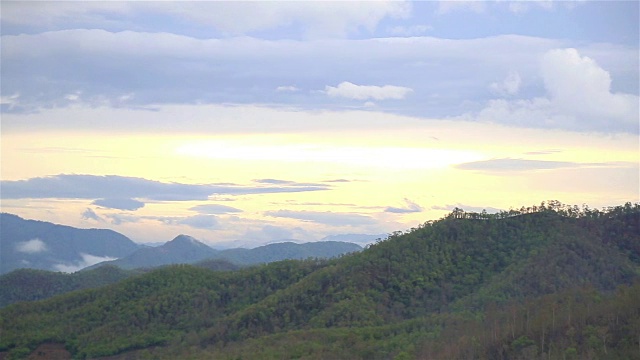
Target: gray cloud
120,187
543,152
285,182
200,221
411,207
90,215
59,66
120,203
509,164
213,209
326,217
118,219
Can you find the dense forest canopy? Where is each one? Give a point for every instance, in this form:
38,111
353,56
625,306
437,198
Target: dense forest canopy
552,281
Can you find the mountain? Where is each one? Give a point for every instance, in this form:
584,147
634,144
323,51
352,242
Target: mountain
47,246
183,249
30,285
360,239
537,283
288,250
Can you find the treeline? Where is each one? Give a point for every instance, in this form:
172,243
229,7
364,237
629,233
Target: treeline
554,206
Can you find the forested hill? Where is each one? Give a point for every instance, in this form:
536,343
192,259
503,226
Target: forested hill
552,281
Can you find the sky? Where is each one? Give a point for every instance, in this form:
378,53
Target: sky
253,122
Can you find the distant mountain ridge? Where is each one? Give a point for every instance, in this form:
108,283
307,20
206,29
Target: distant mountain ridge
183,249
288,250
46,246
33,244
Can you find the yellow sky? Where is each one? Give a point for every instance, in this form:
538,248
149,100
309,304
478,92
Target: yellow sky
413,164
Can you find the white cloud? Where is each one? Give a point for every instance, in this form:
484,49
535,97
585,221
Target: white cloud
578,86
289,88
578,97
87,260
364,92
410,30
32,246
509,86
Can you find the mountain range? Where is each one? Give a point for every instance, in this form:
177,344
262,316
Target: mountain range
542,282
46,246
43,245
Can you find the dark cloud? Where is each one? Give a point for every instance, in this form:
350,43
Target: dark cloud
112,187
410,208
90,215
508,164
213,209
326,217
120,204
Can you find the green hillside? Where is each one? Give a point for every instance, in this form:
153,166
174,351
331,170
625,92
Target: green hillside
553,281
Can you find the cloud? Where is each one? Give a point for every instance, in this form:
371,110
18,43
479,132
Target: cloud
289,88
116,190
509,164
578,97
578,86
120,203
213,209
543,152
108,66
326,217
269,233
87,260
409,30
448,6
309,19
363,92
450,207
118,219
284,182
509,86
411,207
90,215
32,246
200,221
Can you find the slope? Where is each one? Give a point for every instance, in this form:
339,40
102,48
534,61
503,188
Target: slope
47,246
410,281
288,250
183,249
